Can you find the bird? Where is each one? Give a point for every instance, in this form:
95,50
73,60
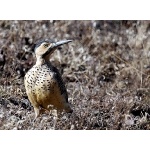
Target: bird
43,82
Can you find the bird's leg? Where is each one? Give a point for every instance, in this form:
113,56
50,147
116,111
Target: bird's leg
37,112
54,112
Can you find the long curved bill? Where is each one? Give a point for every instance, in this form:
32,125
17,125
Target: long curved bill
57,44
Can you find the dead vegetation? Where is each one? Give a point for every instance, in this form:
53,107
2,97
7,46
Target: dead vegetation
106,70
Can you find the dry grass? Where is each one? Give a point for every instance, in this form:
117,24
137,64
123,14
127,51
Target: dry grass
106,70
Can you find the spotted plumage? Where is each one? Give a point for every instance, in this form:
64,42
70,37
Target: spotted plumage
43,82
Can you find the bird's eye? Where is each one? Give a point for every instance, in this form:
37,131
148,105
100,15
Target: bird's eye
46,45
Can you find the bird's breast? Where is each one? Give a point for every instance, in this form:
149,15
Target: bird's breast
44,78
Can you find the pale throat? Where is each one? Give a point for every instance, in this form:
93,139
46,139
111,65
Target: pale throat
40,60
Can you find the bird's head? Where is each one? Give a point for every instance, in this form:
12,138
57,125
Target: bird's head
45,48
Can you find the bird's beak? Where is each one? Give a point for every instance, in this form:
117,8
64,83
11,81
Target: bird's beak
57,44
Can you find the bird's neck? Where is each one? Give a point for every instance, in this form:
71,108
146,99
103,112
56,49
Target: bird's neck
41,61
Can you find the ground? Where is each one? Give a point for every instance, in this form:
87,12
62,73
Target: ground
106,70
